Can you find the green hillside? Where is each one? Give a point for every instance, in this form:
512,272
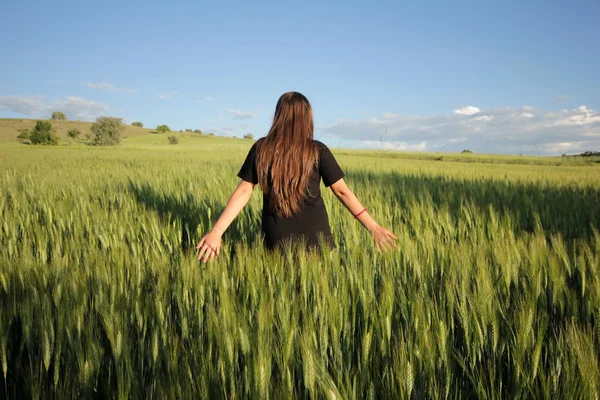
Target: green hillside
10,128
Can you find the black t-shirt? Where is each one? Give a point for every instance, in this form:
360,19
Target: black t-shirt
312,220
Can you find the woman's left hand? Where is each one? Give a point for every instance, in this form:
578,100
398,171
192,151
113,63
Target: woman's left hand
210,246
384,239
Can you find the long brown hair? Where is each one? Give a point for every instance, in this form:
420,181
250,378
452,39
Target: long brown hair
287,155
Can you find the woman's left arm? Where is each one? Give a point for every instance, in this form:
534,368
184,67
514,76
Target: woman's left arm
210,245
383,238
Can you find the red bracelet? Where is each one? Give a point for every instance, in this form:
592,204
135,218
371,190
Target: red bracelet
356,216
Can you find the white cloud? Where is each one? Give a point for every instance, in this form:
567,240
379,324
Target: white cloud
35,106
239,114
468,110
165,95
507,129
579,116
109,87
563,147
27,105
401,146
210,98
81,109
231,130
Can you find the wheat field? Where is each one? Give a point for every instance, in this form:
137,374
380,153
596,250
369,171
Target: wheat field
494,292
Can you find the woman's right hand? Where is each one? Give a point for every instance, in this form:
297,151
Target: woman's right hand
384,239
210,245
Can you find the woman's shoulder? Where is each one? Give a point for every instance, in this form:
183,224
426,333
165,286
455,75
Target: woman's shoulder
320,145
256,144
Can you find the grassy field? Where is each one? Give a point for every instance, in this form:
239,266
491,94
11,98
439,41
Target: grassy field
494,293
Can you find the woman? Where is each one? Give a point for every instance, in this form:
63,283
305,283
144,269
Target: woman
288,165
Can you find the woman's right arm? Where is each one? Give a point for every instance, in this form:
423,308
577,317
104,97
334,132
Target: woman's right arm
210,245
384,239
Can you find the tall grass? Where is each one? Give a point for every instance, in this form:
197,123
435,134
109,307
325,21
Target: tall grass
494,292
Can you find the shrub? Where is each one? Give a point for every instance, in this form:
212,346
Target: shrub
467,151
138,124
188,130
211,134
59,116
198,131
106,131
163,128
173,139
23,134
249,136
42,134
74,133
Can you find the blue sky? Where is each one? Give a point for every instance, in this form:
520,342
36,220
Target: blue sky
497,77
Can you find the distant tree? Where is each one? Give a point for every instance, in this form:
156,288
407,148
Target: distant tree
106,131
188,130
249,136
42,134
59,116
467,151
198,131
211,134
74,133
590,154
163,128
173,139
138,124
